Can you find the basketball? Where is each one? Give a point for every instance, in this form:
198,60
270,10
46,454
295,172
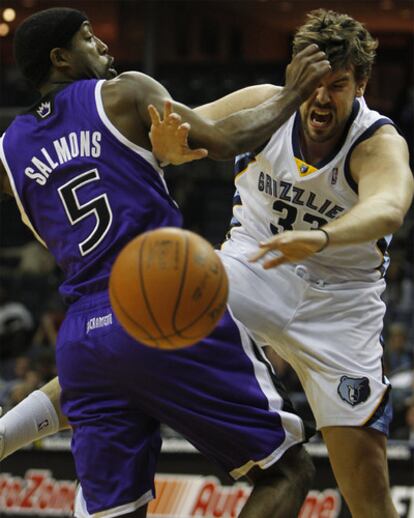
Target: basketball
168,288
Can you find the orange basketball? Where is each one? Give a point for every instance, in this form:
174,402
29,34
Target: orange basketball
168,288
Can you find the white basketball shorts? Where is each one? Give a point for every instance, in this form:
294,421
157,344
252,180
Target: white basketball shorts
329,333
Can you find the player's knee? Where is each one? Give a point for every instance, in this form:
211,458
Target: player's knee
369,484
370,502
303,469
296,467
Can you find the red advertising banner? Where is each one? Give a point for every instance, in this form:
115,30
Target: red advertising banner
41,483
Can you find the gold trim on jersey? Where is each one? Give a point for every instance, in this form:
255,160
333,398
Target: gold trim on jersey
304,169
245,169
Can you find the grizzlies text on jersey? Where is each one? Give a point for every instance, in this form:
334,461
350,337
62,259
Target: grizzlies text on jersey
278,191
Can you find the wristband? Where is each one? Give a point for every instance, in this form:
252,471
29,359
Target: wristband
327,240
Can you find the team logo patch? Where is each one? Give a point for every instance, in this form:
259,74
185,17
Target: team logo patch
44,109
354,390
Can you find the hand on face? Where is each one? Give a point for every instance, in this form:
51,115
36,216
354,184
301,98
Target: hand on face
306,70
169,138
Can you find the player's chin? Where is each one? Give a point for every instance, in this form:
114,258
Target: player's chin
321,134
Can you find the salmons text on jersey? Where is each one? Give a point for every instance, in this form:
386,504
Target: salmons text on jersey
75,144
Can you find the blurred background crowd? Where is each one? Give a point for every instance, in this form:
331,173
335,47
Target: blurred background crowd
201,50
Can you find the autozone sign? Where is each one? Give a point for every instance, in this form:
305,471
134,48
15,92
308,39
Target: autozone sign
178,496
37,492
185,496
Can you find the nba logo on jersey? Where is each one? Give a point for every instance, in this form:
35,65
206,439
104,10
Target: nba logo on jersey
334,176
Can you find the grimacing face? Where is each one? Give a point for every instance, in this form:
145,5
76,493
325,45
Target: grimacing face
325,113
90,58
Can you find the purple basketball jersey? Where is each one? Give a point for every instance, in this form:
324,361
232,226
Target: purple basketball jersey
86,191
79,177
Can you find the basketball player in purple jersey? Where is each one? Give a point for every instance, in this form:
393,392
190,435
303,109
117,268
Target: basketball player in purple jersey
86,182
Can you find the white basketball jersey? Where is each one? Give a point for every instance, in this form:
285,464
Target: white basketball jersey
278,191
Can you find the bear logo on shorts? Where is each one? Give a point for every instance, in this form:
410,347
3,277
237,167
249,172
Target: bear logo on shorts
354,390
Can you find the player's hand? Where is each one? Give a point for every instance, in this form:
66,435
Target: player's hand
293,245
305,71
169,138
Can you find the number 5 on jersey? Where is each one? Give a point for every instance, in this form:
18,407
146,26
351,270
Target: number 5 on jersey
98,207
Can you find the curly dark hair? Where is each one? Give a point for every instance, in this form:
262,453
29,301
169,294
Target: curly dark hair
345,41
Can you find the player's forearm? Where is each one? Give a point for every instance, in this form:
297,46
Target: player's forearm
247,129
245,98
369,220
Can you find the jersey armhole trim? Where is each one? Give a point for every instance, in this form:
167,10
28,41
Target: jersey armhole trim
144,153
365,135
23,214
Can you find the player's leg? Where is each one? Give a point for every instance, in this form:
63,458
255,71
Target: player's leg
343,379
280,490
37,416
359,461
80,510
115,444
221,395
115,459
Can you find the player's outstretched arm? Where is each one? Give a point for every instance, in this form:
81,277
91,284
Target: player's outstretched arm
169,135
37,416
242,99
243,119
240,131
253,126
380,169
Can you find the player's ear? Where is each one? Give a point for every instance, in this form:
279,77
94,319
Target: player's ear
59,57
361,86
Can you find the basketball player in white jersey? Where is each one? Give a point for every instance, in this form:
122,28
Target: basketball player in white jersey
322,199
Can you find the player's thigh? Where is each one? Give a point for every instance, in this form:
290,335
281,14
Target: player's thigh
335,348
263,300
296,464
115,458
115,442
359,460
221,395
